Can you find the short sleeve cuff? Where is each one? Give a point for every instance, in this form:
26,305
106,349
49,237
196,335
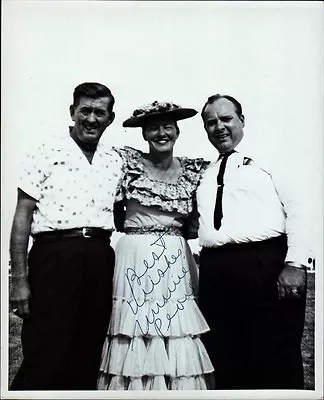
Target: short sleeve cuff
30,189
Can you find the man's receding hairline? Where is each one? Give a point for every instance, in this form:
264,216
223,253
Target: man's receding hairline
219,99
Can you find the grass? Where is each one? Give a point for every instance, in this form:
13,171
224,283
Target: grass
15,355
308,337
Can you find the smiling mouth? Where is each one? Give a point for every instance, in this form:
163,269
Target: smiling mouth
161,141
90,129
222,136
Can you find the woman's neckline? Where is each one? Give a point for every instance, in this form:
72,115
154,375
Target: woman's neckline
146,170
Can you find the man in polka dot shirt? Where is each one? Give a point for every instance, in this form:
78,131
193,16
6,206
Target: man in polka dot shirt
65,201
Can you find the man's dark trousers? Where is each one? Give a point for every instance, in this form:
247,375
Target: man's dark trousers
255,338
71,289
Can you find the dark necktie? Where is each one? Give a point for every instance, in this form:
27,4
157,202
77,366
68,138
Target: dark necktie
218,213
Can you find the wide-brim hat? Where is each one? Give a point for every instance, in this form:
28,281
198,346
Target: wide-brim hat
158,110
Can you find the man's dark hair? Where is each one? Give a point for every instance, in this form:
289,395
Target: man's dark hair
93,90
214,97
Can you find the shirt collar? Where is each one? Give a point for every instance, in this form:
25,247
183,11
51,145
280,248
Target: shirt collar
70,139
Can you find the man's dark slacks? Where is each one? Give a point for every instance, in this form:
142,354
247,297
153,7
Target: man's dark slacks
255,338
71,289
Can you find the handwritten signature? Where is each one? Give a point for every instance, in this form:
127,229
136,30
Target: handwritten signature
153,318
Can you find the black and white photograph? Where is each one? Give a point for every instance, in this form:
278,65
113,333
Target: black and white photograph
162,200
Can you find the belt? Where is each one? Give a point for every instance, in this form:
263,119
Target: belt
73,233
280,240
153,230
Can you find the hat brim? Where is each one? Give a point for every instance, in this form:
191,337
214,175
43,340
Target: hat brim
175,115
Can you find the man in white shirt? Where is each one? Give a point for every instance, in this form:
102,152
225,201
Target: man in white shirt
65,202
252,263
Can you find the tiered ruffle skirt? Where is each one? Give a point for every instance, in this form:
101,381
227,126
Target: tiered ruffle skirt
153,342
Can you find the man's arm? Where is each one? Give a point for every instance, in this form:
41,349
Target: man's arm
20,291
292,279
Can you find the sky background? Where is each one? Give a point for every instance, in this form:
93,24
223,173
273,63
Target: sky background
268,55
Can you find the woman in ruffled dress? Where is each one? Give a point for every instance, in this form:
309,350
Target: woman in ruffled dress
153,342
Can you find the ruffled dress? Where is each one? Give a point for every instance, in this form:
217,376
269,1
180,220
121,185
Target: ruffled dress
153,341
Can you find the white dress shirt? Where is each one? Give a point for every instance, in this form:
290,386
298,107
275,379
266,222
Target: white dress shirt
70,192
254,208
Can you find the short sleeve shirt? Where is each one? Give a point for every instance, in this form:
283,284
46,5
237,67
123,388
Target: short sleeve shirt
70,192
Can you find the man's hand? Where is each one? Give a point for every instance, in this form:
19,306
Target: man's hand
20,296
291,282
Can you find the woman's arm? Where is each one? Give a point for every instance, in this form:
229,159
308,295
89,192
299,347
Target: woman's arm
119,216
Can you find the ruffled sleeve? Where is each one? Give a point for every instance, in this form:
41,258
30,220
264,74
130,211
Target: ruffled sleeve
193,169
122,152
190,227
169,197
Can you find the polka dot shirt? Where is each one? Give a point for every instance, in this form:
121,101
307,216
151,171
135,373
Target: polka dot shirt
71,192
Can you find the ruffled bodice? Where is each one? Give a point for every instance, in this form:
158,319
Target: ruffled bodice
176,197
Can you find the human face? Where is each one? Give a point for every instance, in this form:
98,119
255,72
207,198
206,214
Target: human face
161,134
223,126
91,117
